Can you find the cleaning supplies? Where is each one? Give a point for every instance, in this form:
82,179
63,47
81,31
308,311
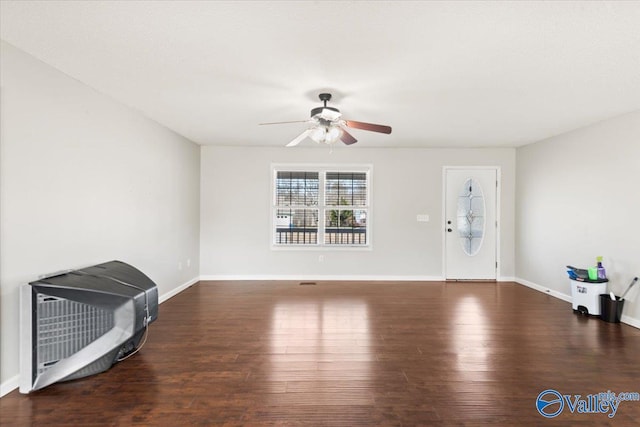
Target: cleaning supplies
574,273
602,274
633,282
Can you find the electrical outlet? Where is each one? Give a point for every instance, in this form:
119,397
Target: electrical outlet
422,218
320,258
188,262
179,265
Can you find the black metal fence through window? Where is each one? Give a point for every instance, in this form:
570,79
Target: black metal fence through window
332,236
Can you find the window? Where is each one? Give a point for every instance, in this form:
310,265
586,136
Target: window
296,214
315,206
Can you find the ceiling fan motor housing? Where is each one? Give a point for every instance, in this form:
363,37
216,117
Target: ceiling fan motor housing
318,110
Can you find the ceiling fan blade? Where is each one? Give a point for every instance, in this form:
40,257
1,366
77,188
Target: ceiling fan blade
368,126
281,123
298,139
347,138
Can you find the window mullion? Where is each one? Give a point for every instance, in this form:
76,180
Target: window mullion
322,203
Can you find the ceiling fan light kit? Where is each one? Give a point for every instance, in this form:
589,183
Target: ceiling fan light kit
326,134
327,126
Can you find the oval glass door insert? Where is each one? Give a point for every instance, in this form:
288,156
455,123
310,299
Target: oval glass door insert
470,216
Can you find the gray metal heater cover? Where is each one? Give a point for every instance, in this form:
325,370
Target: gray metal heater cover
81,322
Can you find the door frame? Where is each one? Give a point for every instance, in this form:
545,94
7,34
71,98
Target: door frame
498,170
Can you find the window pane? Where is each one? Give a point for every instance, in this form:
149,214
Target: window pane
345,227
296,226
297,188
470,216
346,189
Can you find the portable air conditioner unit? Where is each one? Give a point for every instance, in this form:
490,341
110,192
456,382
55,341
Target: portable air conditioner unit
81,322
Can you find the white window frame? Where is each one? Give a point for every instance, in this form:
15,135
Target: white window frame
322,170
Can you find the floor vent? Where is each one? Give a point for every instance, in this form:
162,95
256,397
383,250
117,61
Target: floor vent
308,283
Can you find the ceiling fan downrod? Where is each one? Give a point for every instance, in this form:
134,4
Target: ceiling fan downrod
325,97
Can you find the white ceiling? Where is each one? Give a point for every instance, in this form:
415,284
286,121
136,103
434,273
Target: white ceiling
442,74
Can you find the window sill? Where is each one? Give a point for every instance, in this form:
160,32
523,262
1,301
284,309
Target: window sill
322,248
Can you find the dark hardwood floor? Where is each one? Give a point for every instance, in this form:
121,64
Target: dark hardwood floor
355,354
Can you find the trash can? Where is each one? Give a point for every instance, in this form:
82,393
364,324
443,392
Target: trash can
610,310
584,296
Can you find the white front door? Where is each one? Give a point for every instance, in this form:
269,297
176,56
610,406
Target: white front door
470,223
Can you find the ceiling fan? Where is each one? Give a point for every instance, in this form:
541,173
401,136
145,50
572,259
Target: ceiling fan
327,126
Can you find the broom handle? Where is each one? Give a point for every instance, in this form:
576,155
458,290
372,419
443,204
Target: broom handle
633,282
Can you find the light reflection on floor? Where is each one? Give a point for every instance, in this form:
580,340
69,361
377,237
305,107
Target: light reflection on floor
471,338
312,341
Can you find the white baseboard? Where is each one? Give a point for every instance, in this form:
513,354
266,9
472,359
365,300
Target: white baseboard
9,385
386,278
628,320
162,298
220,277
543,289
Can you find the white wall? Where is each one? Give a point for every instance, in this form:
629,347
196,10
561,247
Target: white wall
236,200
86,180
578,196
